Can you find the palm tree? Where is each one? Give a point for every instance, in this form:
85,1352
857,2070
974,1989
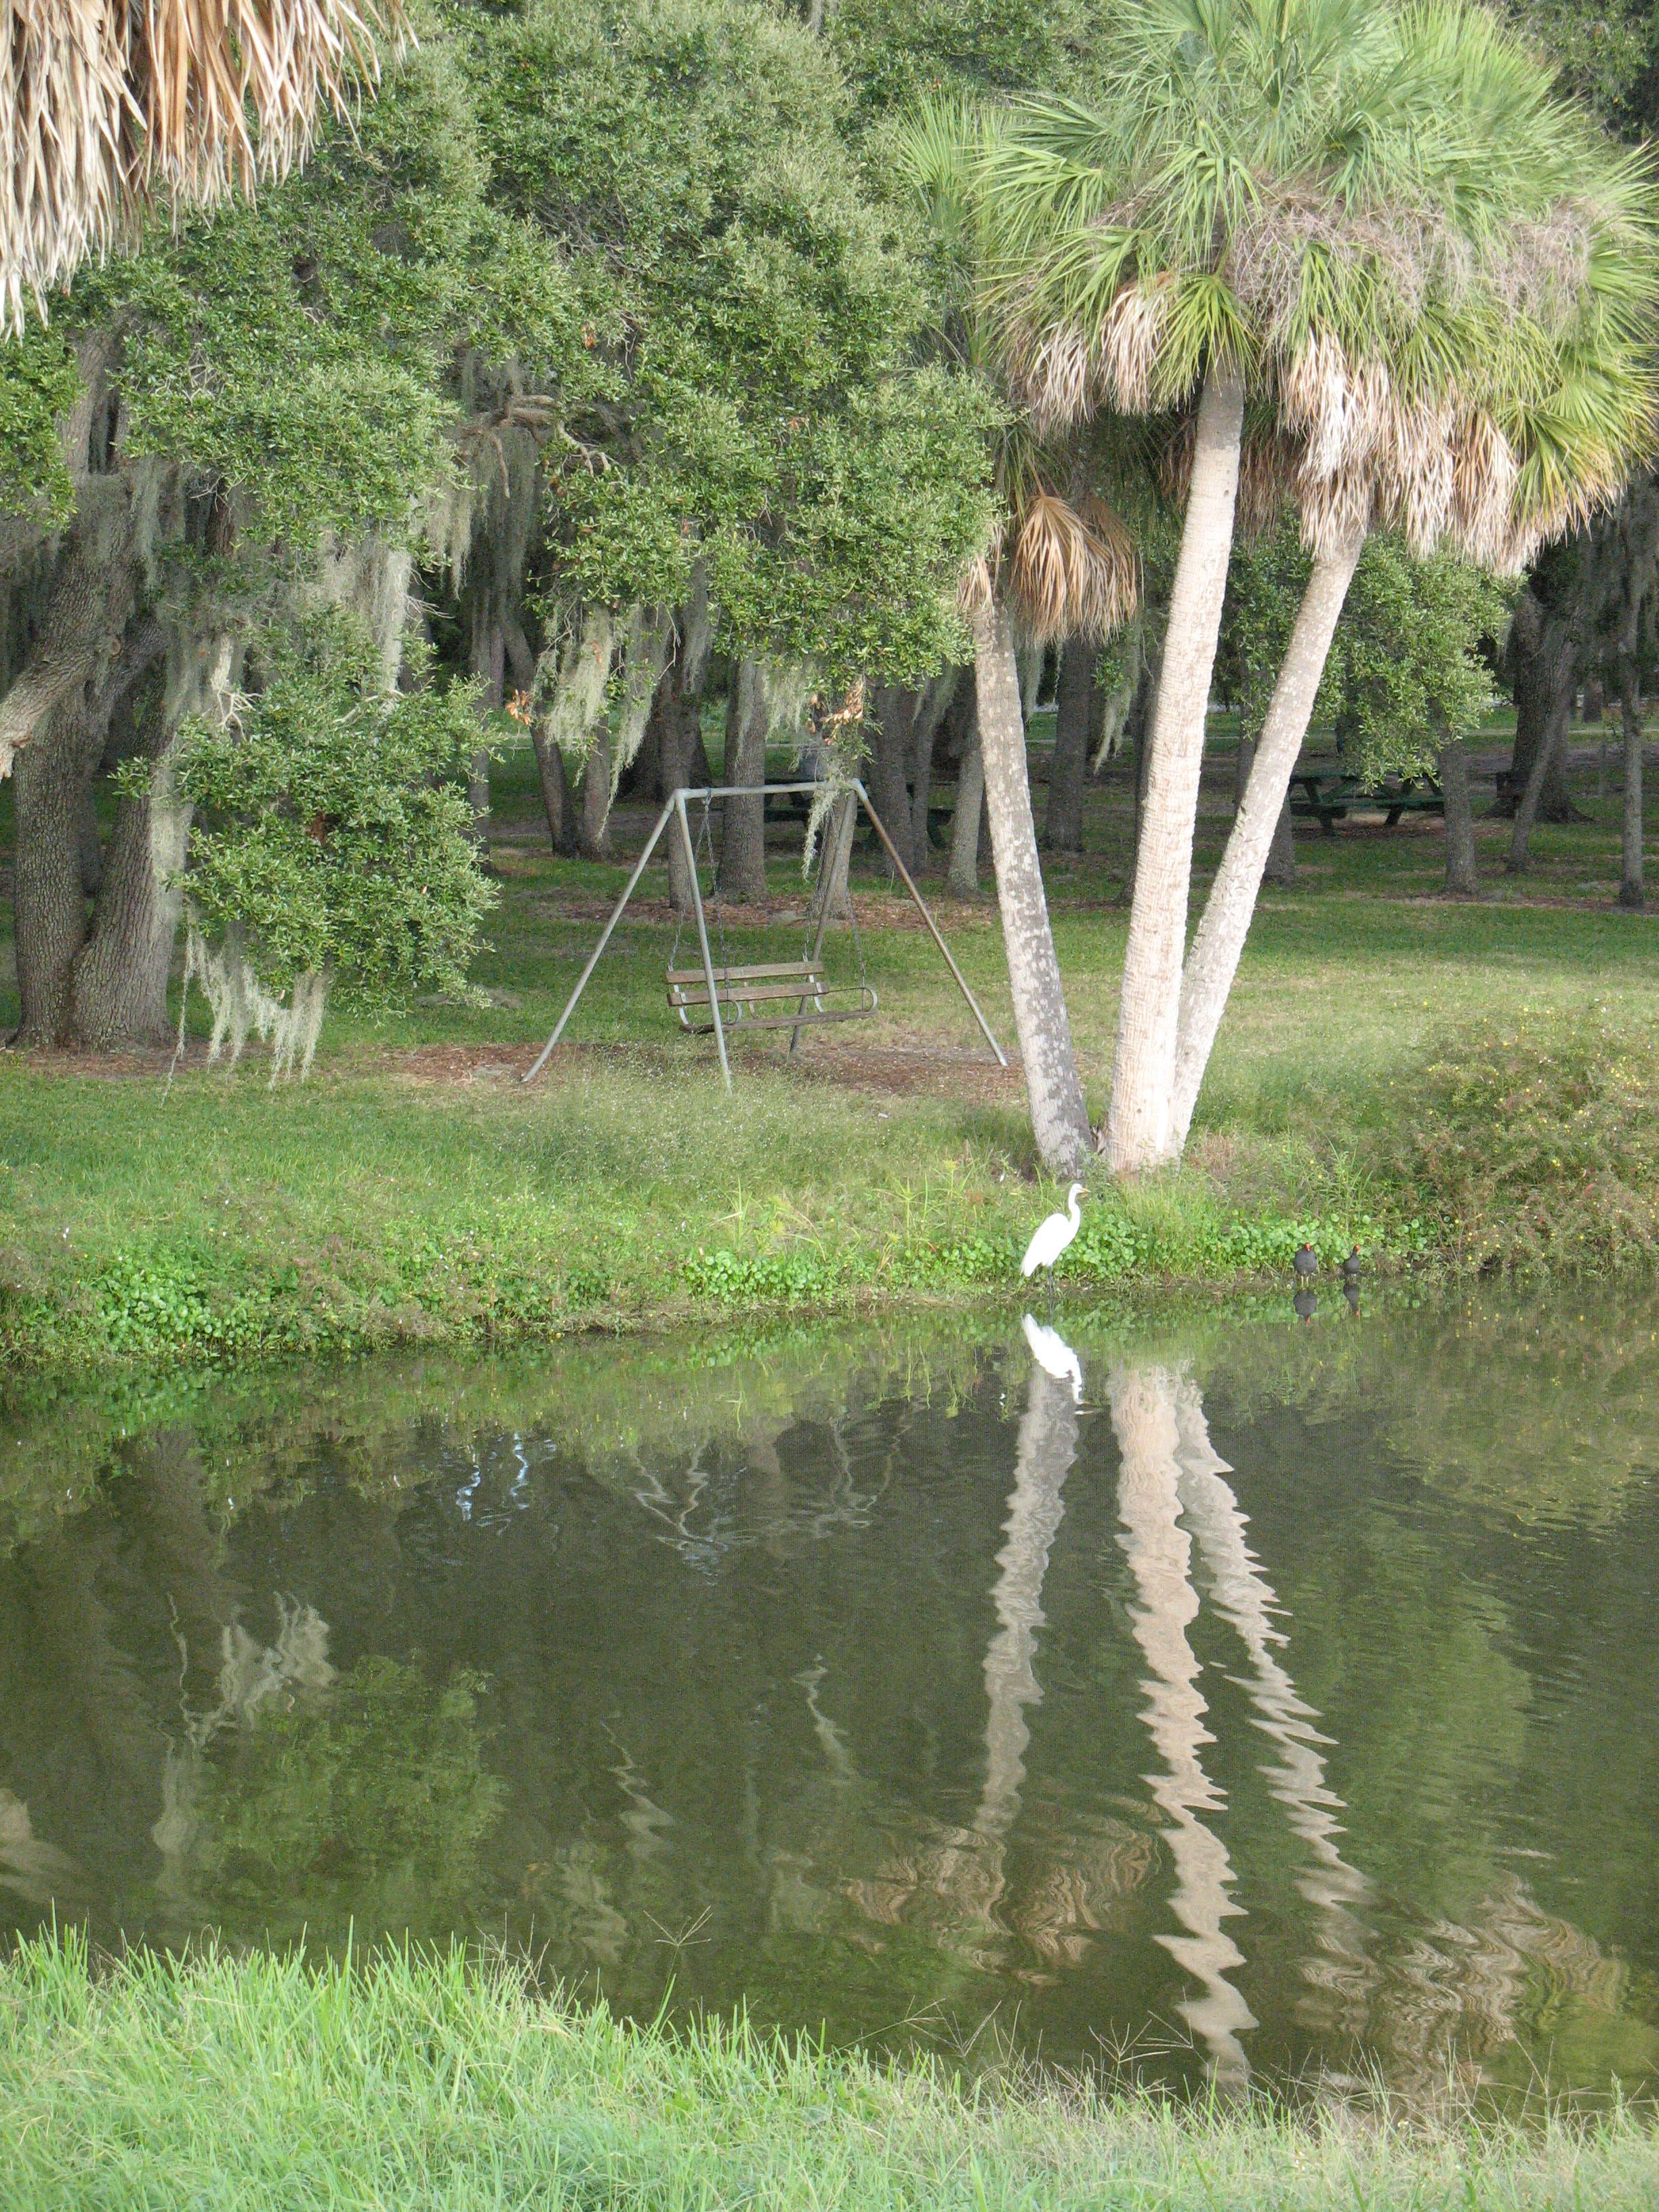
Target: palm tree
104,104
1381,268
1059,565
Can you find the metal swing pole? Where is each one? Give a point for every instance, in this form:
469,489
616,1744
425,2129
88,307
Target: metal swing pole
843,823
921,908
702,931
593,961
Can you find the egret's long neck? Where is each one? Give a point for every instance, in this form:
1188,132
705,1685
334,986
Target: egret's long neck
1071,1207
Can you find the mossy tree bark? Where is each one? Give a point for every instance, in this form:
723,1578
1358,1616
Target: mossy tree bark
49,781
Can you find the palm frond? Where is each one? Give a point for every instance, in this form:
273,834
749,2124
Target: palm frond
1071,570
106,105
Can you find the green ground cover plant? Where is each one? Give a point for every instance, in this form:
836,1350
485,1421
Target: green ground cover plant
271,2081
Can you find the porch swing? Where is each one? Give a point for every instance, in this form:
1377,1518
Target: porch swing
715,998
742,996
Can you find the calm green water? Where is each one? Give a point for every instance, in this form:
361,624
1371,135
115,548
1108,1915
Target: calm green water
1257,1696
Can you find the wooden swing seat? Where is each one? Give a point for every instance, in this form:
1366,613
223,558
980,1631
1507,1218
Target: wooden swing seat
738,990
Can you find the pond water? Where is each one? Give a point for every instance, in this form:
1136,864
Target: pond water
1257,1696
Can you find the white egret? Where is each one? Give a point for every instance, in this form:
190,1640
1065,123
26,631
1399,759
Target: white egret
1055,1356
1052,1238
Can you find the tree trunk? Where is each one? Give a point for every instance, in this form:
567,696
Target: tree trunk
558,801
1140,1127
935,705
1069,774
1059,1119
120,981
593,834
1631,891
742,821
1281,865
1544,764
120,985
1281,853
677,714
1543,656
894,723
832,898
489,663
49,781
1462,868
964,876
1213,961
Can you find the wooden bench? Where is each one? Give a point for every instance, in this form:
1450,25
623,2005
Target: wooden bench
739,991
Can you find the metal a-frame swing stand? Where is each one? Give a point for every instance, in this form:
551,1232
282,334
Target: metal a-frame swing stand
674,810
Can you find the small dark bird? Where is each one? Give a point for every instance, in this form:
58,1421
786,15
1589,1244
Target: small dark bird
1306,1262
1350,1269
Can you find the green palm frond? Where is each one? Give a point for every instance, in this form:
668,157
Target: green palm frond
1383,218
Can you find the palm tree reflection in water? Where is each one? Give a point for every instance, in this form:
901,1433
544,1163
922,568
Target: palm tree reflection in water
1159,1552
1171,1489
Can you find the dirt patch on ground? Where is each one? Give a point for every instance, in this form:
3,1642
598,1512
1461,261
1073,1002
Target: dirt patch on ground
871,910
891,1071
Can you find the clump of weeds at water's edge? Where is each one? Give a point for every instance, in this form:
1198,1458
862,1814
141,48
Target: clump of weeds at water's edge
415,2080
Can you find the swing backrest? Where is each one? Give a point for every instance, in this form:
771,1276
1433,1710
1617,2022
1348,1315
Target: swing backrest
739,990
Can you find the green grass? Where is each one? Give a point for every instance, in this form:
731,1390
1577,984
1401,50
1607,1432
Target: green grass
414,1192
413,2083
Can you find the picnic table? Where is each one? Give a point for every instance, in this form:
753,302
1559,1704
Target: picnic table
1330,795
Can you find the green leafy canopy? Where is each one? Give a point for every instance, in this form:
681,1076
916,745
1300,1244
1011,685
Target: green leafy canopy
331,834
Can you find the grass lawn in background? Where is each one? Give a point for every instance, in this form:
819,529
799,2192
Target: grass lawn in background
1393,1068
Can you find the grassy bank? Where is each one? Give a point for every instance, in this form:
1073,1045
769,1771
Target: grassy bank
1476,1084
262,2083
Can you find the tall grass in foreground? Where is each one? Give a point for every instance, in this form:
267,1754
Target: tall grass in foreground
423,2082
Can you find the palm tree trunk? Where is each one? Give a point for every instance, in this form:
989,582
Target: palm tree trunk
1630,892
1462,870
1140,1130
1059,1119
1214,960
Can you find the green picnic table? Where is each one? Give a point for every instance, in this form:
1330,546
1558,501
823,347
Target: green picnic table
1330,795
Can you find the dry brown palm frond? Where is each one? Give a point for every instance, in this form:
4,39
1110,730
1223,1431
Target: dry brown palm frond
1266,477
106,103
1062,377
1336,510
1130,339
1072,569
1414,473
1052,377
1484,472
1342,408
